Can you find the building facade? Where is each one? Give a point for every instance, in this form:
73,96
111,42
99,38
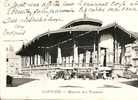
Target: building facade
81,44
12,61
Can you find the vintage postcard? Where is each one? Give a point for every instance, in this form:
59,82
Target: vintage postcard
69,49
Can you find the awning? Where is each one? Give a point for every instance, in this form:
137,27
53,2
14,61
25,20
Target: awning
64,35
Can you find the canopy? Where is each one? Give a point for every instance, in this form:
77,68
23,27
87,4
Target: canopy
84,34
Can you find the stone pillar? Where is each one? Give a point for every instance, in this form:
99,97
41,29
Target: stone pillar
75,54
81,59
108,57
87,57
78,60
38,60
70,61
49,58
28,61
123,54
94,54
35,62
32,60
25,59
97,40
99,55
59,56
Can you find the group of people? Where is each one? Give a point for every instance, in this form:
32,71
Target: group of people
79,73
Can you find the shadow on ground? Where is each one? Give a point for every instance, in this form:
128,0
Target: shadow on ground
19,81
132,83
109,86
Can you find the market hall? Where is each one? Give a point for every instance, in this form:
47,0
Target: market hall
82,43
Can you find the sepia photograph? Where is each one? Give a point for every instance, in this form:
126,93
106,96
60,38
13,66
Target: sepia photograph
69,50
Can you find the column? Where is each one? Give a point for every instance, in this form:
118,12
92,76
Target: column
116,52
123,54
94,53
28,61
78,60
81,59
38,60
35,62
59,56
46,57
97,40
75,54
25,61
98,54
87,57
32,60
49,58
69,61
108,57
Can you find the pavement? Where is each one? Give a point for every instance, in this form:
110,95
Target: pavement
75,89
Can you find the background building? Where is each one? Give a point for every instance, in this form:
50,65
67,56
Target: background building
13,62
